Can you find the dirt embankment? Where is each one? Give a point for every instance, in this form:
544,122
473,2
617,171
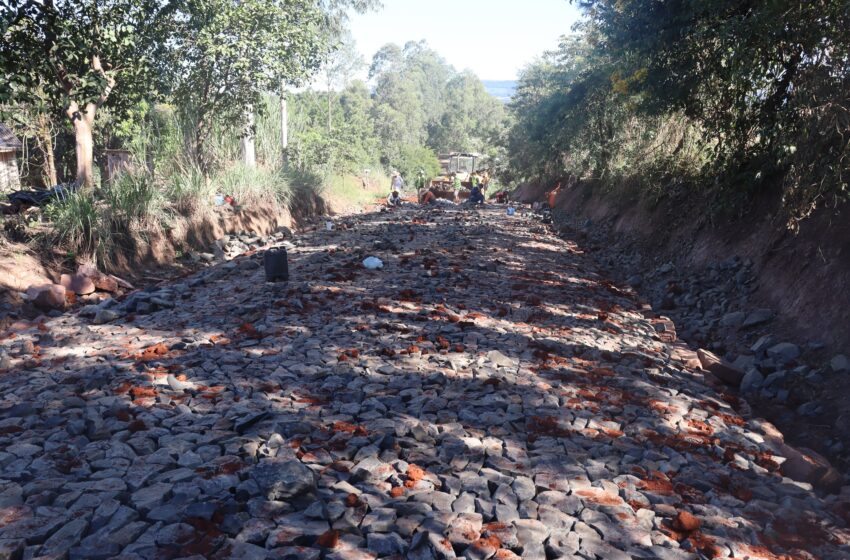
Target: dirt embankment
21,266
147,256
771,302
802,277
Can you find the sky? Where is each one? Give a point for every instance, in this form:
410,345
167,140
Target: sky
493,38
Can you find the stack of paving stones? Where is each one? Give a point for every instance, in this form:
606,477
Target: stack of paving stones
486,394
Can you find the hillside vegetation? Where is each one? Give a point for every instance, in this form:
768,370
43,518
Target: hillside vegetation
722,100
194,93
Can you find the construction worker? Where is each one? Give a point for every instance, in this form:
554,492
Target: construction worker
398,182
420,180
394,199
476,197
427,197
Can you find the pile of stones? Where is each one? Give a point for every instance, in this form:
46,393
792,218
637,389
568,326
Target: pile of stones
487,394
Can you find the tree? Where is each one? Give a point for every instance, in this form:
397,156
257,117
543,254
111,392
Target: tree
563,109
736,67
409,87
79,56
340,67
417,158
233,52
33,119
472,118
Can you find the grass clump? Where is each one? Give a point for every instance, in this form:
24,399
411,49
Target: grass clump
94,223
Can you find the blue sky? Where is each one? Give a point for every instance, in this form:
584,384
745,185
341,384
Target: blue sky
493,38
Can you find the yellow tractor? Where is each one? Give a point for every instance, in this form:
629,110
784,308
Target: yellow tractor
454,182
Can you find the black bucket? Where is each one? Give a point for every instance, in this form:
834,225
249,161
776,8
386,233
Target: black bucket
277,265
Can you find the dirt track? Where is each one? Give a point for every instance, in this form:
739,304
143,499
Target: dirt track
486,394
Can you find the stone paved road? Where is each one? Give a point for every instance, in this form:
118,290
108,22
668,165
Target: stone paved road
485,395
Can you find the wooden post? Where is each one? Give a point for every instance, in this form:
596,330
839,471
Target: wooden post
117,162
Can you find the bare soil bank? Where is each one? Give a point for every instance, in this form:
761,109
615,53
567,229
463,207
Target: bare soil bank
803,277
150,257
21,266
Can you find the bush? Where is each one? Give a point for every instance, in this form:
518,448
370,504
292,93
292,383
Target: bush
76,224
414,158
253,185
95,223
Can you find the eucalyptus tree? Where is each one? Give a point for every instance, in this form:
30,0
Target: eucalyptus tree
76,56
228,54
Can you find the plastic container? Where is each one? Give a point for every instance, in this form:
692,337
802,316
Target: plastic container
276,263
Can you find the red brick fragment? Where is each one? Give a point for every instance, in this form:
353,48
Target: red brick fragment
328,539
686,521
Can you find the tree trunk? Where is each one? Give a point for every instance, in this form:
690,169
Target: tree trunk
83,121
199,149
249,157
50,174
329,110
44,138
284,124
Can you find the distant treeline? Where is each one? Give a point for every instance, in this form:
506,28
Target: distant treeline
420,106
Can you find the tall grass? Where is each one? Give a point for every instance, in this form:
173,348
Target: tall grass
254,185
166,184
95,223
134,202
76,224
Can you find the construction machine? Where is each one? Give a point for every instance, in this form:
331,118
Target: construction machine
457,169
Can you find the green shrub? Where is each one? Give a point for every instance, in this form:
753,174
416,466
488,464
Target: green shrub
95,223
77,224
253,185
133,201
414,158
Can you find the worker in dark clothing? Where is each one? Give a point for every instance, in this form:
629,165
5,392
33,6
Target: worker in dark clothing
394,199
476,196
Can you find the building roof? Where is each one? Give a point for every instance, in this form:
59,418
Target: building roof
8,140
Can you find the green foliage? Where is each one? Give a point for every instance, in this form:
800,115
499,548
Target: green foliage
729,96
79,51
133,202
253,185
471,120
76,223
419,102
231,53
416,158
422,100
96,223
348,147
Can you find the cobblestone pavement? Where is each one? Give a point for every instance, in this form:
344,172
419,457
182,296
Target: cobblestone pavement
484,395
